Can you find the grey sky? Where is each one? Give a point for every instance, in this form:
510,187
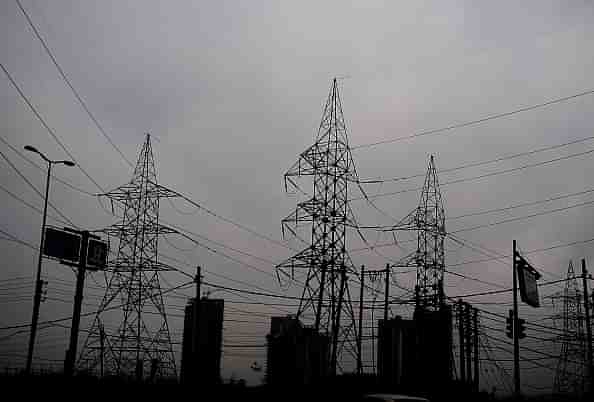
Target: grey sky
233,92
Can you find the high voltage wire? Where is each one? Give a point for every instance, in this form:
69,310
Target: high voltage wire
47,127
58,179
32,186
228,220
540,250
524,204
479,163
478,121
493,253
523,217
85,314
65,78
482,176
16,197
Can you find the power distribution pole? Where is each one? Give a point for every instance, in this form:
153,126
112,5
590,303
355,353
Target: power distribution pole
193,364
198,280
387,294
588,327
476,349
468,333
461,336
78,297
515,329
360,337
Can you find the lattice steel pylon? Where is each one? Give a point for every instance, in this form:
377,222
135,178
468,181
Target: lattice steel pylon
430,255
133,300
571,368
326,295
428,221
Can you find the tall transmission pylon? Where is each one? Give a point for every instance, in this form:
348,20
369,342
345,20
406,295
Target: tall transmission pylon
571,368
430,256
428,222
326,296
140,346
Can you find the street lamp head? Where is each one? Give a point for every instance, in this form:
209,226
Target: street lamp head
68,163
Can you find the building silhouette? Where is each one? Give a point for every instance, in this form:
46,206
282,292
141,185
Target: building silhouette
202,342
411,351
296,355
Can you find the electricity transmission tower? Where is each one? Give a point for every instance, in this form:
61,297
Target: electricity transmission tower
326,296
428,221
570,374
141,342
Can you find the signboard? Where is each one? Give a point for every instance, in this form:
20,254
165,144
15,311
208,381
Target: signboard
527,277
96,254
61,244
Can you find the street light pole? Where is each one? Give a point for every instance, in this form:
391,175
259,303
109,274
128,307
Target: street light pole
38,282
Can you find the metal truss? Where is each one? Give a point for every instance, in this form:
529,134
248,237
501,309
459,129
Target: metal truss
140,345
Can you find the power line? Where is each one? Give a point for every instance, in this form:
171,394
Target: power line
47,127
493,292
480,163
85,314
26,180
74,91
523,217
228,220
17,240
482,176
58,179
480,120
16,197
540,250
524,204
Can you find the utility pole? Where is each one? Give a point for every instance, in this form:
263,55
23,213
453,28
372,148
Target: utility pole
195,325
476,349
360,337
461,337
468,333
588,327
387,294
515,329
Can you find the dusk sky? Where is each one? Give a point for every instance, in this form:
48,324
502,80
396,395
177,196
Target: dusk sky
232,92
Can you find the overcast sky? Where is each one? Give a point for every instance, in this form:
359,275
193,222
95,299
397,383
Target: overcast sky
232,92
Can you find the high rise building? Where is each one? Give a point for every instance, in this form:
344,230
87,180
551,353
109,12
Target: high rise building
297,355
412,351
202,341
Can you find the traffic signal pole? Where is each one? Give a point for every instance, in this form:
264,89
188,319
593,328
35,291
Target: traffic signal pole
515,329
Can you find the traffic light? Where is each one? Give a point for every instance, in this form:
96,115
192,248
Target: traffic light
521,328
509,329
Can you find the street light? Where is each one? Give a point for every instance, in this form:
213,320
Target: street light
38,282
